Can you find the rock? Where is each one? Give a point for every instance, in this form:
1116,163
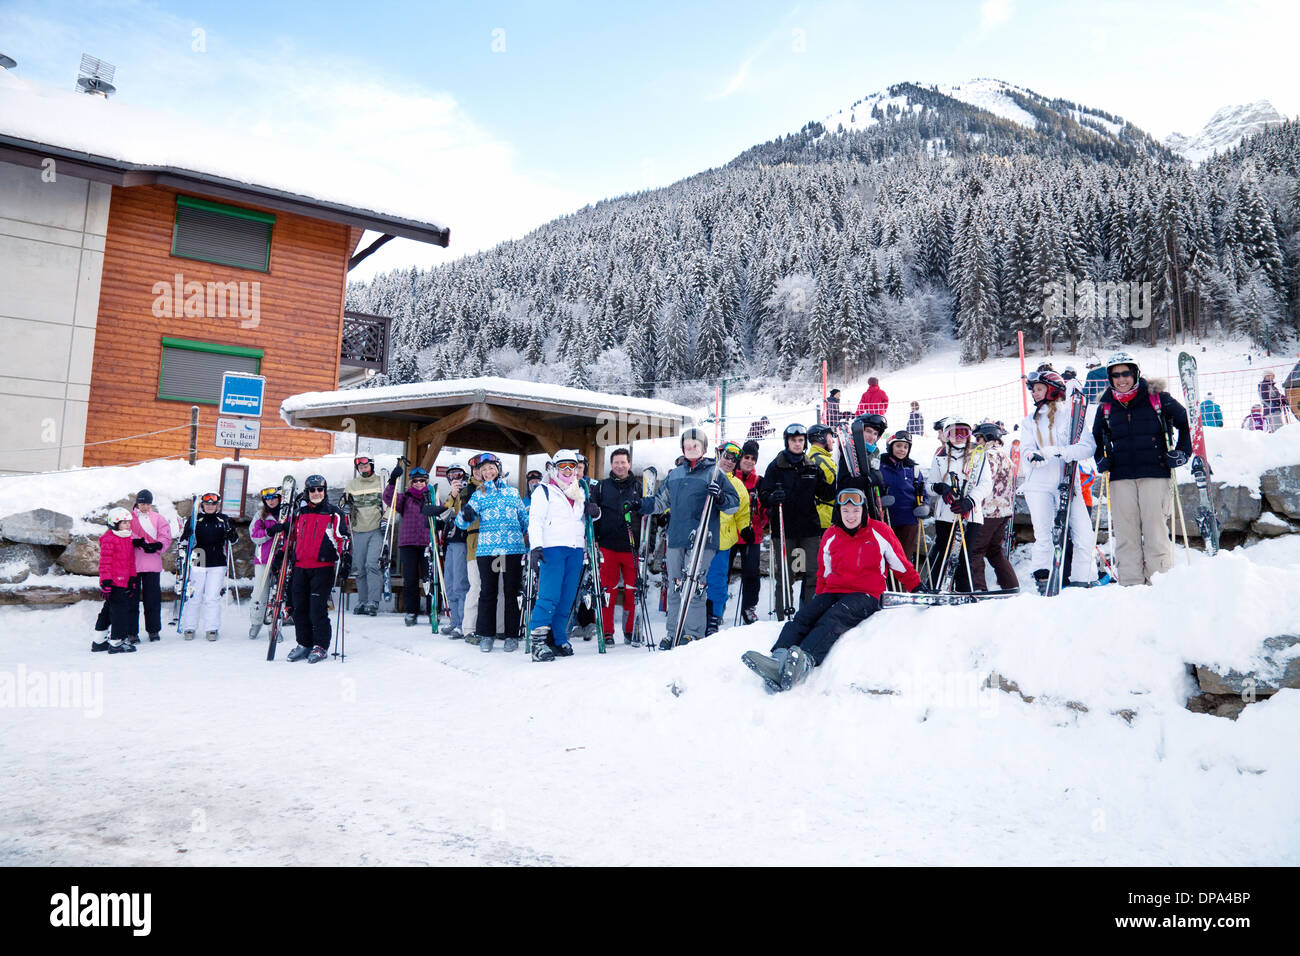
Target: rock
46,595
41,526
100,515
81,556
1269,525
32,558
1217,705
1236,506
1264,682
1281,489
13,572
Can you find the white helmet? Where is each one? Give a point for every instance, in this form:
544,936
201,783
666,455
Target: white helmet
564,454
952,421
116,515
456,466
1123,358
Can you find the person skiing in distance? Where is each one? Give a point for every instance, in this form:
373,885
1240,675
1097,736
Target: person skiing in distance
682,496
853,557
412,535
833,408
796,485
751,538
320,538
1272,402
915,423
1211,412
363,497
998,508
151,535
906,485
1131,432
1045,450
618,496
213,533
502,520
557,515
117,583
821,455
1095,383
454,565
874,400
948,472
729,528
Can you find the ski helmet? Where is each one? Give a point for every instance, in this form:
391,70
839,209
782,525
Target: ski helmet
989,431
1123,358
272,492
564,456
363,460
456,466
145,497
793,430
729,448
951,423
1055,385
1069,373
872,420
417,473
210,498
818,434
1094,362
699,435
117,515
901,435
534,473
315,482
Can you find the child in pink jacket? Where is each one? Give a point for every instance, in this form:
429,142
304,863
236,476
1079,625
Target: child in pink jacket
151,535
117,582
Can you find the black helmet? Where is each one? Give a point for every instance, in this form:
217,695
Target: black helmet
699,435
901,435
989,431
819,433
315,481
792,431
872,420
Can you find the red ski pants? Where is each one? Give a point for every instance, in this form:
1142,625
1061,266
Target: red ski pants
613,565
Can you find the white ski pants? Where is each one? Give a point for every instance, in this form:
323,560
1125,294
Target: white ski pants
203,608
1042,510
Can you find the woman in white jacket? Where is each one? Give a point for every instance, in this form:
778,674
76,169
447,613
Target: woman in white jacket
958,493
557,513
1045,450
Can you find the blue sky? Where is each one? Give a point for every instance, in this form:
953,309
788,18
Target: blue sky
507,115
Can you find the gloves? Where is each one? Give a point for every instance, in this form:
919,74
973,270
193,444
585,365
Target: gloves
232,533
942,489
1103,465
468,514
776,496
152,547
1175,458
1036,458
429,510
591,509
714,490
662,520
345,566
924,588
886,500
280,527
137,542
747,535
395,473
875,479
535,559
964,505
921,511
106,586
633,506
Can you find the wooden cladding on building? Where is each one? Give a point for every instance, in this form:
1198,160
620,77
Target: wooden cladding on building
293,313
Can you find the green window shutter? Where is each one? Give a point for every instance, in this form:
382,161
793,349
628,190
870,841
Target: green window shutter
226,235
192,371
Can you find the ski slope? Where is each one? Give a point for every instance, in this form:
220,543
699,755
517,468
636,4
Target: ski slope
420,750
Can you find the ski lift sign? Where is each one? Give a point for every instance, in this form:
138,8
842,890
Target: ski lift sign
238,433
242,395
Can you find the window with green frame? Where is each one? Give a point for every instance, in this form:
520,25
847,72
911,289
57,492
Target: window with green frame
191,371
227,235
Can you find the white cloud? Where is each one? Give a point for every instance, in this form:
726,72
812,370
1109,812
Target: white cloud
993,13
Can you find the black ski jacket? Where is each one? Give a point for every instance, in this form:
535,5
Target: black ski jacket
210,537
611,527
806,485
1131,435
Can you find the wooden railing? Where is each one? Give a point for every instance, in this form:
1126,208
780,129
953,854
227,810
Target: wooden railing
365,341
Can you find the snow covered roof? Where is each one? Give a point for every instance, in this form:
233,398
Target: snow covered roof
125,144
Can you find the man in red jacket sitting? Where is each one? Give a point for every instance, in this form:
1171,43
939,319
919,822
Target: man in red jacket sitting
874,401
855,554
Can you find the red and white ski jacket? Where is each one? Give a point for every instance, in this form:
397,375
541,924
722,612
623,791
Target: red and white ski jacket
859,561
320,537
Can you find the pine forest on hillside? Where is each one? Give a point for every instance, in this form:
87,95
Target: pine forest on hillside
867,249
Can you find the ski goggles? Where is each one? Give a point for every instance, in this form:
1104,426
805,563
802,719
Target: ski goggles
730,451
270,493
486,457
567,468
419,474
454,474
363,460
211,498
851,496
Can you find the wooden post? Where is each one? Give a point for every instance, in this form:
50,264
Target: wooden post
194,433
522,484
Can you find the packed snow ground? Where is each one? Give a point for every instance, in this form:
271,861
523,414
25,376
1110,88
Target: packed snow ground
421,750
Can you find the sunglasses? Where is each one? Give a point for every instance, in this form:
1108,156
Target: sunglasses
850,496
315,491
419,481
1115,375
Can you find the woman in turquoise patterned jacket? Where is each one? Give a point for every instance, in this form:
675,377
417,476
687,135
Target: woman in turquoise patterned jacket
503,520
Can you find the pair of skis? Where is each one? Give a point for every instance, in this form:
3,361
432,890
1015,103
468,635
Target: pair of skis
641,633
1065,494
185,586
955,549
1207,521
390,526
693,572
288,515
593,562
917,599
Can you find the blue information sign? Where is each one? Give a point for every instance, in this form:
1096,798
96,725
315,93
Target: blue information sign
242,394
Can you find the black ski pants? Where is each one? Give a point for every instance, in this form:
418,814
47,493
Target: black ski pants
821,621
116,613
150,595
750,579
415,569
311,588
511,569
942,531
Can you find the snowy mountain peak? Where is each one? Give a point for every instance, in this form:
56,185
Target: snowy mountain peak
1226,128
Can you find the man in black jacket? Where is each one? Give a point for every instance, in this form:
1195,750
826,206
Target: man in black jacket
619,498
790,491
1132,431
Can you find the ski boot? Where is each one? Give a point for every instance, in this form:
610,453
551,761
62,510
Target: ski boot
627,637
748,615
154,636
768,668
212,635
410,620
510,644
298,653
445,628
188,635
457,634
541,639
132,639
472,639
715,622
1040,578
485,645
317,654
1082,584
590,632
796,668
563,650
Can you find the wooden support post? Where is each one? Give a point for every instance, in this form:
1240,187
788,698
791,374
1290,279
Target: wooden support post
522,484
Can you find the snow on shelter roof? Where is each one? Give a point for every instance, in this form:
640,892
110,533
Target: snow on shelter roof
124,144
546,407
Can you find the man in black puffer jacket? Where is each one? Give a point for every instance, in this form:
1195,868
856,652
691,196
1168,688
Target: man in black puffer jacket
794,483
1133,445
618,496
